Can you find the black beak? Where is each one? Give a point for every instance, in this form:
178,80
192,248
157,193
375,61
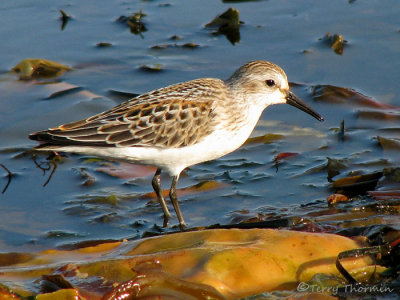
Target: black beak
295,101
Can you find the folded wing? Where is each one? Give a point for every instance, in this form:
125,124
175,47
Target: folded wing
148,120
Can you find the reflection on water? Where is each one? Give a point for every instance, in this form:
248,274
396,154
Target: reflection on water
281,172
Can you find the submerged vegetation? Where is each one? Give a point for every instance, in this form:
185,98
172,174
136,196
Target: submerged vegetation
299,211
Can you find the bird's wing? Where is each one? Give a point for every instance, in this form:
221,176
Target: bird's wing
175,116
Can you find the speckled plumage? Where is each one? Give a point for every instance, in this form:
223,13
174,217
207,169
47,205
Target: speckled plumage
179,125
171,117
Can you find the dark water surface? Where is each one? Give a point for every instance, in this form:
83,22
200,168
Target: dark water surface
249,182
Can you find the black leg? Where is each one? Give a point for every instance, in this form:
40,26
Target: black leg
156,182
174,200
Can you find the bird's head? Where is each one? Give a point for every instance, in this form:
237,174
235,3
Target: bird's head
266,84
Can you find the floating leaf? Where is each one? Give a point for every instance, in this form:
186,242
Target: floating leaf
39,68
227,24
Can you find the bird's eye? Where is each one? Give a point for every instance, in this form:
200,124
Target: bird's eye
270,82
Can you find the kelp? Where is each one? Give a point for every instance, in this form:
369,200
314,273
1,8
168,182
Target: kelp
153,281
228,24
200,187
183,46
51,163
389,144
358,184
33,68
103,45
265,139
336,198
151,68
342,95
214,264
335,41
9,176
88,179
380,208
135,22
64,19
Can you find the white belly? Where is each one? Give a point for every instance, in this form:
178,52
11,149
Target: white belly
173,160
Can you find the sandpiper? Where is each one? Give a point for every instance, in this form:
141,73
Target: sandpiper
179,125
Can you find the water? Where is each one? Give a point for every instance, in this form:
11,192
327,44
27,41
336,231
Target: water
249,181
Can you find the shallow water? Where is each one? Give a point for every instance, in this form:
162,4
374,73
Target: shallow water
249,181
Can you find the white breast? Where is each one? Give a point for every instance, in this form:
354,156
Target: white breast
219,143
